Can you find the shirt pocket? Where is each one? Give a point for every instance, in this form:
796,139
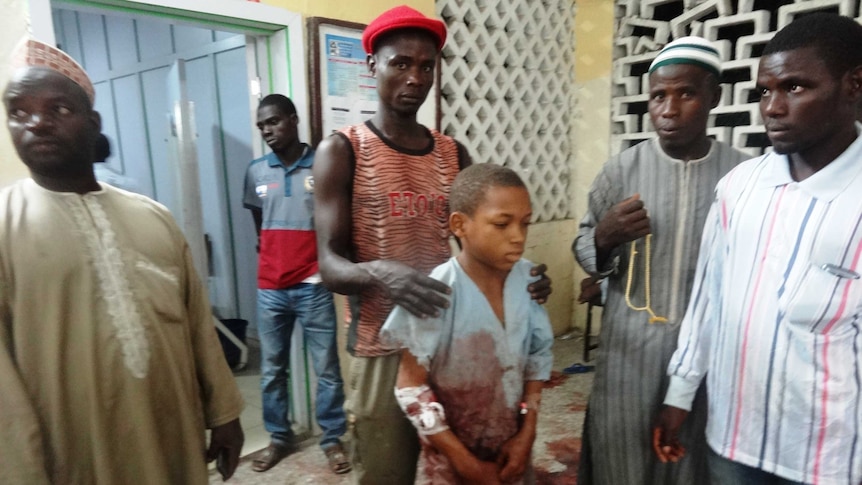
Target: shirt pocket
826,300
159,289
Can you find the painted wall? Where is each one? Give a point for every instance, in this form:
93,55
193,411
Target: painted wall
362,12
13,26
594,28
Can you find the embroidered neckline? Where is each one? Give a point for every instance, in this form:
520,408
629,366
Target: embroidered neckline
104,252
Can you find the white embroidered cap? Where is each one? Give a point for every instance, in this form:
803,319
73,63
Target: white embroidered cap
689,50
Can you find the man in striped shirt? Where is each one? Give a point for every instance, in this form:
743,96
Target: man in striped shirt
775,314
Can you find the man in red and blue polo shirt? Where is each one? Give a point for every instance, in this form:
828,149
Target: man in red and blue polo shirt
279,193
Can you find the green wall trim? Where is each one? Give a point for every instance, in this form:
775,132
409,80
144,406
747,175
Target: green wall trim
287,51
217,22
269,64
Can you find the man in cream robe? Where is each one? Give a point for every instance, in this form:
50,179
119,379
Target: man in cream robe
110,368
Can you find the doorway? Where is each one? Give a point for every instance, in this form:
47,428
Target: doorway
233,52
128,59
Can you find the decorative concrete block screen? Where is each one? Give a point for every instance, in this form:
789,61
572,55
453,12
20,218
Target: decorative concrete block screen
739,28
507,91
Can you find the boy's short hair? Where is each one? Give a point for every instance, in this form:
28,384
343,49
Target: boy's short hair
280,101
838,40
471,185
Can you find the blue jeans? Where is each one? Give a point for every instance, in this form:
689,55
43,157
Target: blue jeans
277,310
725,472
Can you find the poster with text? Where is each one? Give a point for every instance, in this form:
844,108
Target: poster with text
349,93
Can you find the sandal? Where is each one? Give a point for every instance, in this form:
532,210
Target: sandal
578,368
337,459
270,456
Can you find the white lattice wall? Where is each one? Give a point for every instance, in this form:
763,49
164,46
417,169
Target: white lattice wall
739,28
508,90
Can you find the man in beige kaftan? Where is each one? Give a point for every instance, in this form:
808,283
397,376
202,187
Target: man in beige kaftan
110,368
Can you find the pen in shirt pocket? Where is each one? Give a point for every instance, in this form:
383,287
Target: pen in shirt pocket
839,271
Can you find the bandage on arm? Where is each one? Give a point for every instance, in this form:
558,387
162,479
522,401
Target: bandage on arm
421,407
532,401
411,391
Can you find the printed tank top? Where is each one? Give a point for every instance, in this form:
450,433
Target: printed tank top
401,213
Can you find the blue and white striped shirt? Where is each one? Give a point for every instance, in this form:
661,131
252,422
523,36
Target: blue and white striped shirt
774,320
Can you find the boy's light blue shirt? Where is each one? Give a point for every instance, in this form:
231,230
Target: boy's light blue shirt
467,344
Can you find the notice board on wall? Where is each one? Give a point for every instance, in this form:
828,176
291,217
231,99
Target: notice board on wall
342,90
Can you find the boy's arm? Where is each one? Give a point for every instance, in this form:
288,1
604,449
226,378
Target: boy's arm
428,416
515,454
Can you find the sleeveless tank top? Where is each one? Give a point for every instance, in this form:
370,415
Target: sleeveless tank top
401,213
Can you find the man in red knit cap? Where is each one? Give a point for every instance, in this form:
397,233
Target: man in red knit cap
381,216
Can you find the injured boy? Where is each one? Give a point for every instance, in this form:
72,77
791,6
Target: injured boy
470,378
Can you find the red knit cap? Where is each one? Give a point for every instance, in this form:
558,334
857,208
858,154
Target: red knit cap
402,17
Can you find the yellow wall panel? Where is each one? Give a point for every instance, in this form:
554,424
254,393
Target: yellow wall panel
13,27
594,30
362,11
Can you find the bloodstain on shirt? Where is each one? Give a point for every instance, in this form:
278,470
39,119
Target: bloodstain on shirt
477,365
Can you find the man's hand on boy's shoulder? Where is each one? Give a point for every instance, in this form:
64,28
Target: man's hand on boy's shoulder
540,289
418,293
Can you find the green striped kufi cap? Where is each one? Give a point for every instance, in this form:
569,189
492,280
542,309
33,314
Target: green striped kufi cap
689,50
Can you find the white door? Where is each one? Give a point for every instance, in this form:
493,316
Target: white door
139,65
183,159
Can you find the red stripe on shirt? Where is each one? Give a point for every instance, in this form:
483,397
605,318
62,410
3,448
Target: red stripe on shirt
748,317
821,439
287,257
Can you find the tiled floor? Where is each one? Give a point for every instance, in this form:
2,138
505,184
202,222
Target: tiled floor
555,453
